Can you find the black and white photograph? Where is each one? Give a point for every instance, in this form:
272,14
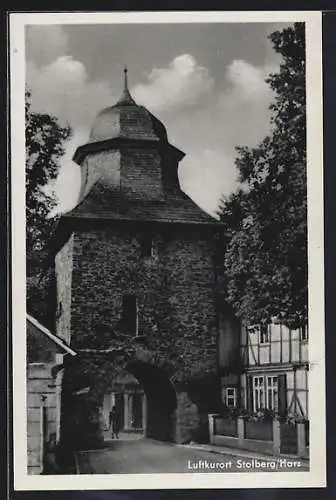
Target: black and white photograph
167,187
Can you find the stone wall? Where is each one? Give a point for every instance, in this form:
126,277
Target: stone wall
63,270
187,419
176,300
175,292
228,343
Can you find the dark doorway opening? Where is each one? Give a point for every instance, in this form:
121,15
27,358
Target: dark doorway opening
161,400
119,402
137,420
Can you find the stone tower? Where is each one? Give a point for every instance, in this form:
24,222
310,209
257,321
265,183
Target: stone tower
136,279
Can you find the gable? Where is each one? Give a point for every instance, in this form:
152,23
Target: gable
42,345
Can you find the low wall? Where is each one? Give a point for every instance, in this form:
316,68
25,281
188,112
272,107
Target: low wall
245,444
225,426
260,431
272,440
289,438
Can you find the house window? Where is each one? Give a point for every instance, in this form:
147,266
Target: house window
264,333
272,393
304,333
147,247
258,393
265,393
230,397
130,314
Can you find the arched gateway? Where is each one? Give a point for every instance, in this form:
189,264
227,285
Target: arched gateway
149,405
160,398
136,278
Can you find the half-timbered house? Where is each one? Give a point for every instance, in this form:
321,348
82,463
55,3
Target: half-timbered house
273,371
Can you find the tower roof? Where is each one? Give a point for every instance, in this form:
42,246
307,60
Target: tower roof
176,208
130,171
127,120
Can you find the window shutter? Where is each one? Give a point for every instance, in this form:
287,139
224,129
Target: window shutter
282,394
249,393
239,395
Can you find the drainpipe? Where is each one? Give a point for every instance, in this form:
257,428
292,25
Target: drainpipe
144,413
43,431
294,389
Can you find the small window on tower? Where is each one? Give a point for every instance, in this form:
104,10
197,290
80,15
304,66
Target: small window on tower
147,247
59,310
130,314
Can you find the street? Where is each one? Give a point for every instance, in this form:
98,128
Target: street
145,456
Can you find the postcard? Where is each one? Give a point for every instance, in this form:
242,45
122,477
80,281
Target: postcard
167,246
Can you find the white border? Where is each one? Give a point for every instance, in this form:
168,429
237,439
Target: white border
316,477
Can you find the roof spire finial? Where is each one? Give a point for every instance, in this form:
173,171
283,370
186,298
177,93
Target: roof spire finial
126,97
125,78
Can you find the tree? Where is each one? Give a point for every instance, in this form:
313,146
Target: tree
45,139
265,221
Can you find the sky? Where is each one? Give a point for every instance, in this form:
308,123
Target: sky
205,82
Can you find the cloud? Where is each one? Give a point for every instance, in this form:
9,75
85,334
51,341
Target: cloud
68,183
246,91
244,103
182,83
206,130
238,115
248,81
45,43
206,176
63,89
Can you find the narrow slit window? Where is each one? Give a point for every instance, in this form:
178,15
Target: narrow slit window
147,247
130,314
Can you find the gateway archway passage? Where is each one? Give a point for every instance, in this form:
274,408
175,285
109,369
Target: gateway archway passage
144,397
160,398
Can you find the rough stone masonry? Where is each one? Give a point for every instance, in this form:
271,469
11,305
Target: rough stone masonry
135,233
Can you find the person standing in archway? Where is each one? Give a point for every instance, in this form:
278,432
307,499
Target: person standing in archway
114,422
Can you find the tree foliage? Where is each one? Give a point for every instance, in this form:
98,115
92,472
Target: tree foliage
265,221
45,139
